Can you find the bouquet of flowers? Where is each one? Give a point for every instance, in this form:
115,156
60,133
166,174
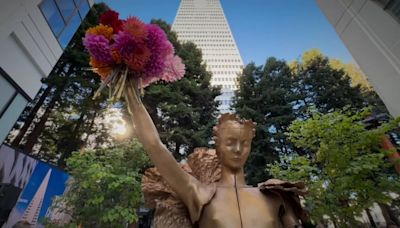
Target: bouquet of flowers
122,50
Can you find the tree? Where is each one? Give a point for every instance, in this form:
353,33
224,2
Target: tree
105,189
356,75
265,96
358,79
184,111
63,117
348,171
320,86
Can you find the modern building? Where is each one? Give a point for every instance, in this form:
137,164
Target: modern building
33,35
204,23
371,31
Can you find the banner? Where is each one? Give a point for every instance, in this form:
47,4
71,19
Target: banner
41,182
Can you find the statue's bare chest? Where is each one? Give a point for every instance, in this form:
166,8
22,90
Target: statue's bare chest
241,208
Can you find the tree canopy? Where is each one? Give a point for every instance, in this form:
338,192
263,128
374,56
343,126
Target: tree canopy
265,96
347,171
105,189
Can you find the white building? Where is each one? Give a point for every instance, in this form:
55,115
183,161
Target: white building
371,31
33,34
204,23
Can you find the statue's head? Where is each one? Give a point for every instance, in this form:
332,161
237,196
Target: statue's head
233,138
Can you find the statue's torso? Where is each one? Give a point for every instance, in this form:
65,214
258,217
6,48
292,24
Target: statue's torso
257,209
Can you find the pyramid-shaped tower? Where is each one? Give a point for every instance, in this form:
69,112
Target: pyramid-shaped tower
204,23
31,213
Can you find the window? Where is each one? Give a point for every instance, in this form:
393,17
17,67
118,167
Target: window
7,95
64,17
8,91
66,7
391,6
53,16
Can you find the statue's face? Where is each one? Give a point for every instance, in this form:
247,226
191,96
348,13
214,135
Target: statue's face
233,145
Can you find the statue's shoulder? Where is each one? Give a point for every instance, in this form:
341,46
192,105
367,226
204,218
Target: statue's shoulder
289,193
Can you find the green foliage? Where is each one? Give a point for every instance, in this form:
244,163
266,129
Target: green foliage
356,75
358,79
105,189
184,111
265,96
347,171
323,87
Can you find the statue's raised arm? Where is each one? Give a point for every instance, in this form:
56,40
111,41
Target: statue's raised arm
147,134
193,193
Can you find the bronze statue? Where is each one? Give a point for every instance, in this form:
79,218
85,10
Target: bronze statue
222,199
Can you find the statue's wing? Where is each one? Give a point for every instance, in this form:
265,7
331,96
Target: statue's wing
297,188
205,165
170,212
290,192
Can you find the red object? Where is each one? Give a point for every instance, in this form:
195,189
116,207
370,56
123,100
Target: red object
395,157
111,19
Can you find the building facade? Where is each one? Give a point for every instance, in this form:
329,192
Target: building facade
203,22
371,31
33,35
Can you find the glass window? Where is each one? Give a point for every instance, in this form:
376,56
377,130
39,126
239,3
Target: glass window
78,2
64,17
391,6
84,9
7,93
52,15
66,7
69,31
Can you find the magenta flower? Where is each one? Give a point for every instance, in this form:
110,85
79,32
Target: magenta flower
144,49
174,70
99,47
160,47
157,41
124,44
155,66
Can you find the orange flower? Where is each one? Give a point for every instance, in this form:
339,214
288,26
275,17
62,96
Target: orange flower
100,29
100,68
138,59
135,27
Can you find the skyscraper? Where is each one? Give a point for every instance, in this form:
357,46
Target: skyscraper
204,23
31,213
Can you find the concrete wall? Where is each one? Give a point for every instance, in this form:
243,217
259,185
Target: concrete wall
372,36
28,46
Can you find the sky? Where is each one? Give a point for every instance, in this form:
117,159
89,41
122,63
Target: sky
56,186
261,28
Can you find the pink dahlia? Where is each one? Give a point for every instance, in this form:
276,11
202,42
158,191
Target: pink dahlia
146,81
135,27
174,70
134,54
157,41
160,47
99,47
124,43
